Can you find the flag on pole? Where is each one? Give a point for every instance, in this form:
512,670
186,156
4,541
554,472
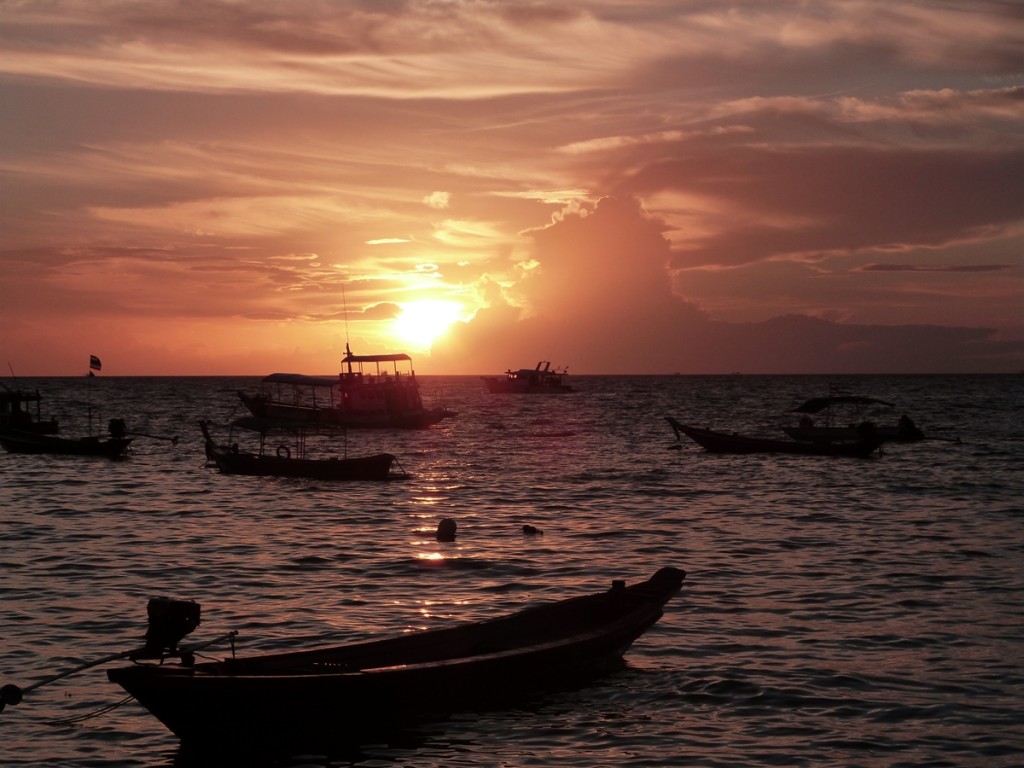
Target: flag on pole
94,363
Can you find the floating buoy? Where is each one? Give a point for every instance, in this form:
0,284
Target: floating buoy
10,694
446,529
529,530
284,452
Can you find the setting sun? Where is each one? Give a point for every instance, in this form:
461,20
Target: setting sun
420,322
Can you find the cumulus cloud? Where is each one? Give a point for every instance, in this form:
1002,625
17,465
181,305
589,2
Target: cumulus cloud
600,298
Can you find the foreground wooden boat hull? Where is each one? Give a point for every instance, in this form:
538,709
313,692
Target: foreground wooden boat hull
17,441
723,442
356,693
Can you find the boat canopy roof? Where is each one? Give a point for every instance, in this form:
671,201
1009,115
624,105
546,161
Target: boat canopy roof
816,404
300,379
396,358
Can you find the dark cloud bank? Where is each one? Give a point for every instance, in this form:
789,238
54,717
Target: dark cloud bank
601,302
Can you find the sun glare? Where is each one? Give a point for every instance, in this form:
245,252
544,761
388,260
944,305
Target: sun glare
420,322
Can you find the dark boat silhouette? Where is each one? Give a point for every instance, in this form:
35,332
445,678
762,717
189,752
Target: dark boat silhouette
349,694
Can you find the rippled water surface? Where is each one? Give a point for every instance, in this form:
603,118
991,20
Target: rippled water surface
836,612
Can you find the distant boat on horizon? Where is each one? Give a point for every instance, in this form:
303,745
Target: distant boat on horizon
540,380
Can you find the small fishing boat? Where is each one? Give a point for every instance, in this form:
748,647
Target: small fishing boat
843,416
372,391
281,463
533,381
725,442
113,446
351,694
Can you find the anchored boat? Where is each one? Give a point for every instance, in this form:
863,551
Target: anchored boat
279,461
349,694
115,445
842,418
372,391
536,381
729,442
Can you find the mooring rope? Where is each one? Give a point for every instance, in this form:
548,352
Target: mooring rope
13,694
89,715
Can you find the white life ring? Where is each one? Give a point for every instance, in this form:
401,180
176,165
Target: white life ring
283,452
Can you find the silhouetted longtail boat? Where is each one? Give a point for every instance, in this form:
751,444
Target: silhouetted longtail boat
232,461
725,442
113,446
350,694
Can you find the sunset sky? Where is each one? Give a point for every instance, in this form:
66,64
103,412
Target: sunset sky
239,187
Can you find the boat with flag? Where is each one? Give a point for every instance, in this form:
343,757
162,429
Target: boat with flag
21,432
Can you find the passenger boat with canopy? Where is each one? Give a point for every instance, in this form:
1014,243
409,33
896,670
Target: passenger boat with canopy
372,391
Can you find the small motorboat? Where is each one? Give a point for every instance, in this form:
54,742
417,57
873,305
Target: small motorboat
350,694
542,380
867,444
281,463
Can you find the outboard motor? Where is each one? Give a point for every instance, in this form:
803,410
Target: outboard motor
169,621
117,428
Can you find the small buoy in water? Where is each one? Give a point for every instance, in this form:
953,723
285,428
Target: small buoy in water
10,694
446,529
529,530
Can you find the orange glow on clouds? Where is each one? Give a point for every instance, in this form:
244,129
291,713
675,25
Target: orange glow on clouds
235,188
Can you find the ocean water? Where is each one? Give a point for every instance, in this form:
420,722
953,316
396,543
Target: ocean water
836,612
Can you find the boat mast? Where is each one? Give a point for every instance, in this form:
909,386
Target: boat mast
344,311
